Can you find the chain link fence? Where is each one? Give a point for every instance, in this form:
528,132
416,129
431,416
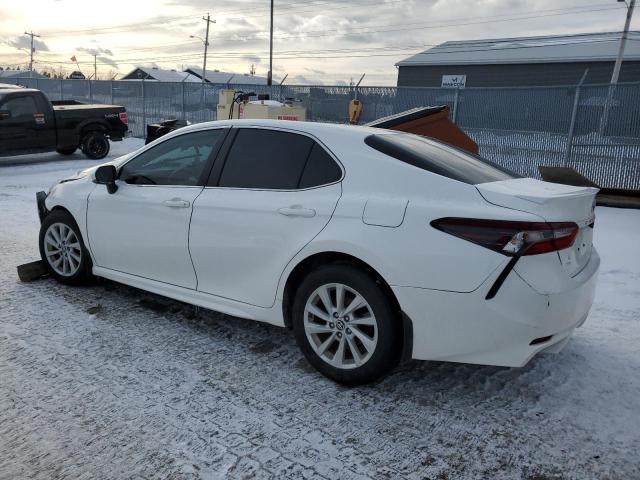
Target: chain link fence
519,128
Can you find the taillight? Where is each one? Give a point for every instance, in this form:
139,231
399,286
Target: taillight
124,118
511,238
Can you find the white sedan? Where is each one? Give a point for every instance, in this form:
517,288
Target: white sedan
373,246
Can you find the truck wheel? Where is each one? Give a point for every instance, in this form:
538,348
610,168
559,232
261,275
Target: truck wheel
95,145
62,249
66,151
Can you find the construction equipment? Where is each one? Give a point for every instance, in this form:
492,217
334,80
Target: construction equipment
429,122
355,110
236,104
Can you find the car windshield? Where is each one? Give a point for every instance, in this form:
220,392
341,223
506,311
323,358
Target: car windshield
439,158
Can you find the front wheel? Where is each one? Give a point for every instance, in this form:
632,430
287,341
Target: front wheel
346,326
62,249
95,145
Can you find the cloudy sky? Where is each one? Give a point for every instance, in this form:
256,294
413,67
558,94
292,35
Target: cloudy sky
315,41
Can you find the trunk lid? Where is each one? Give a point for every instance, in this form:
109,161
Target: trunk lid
554,203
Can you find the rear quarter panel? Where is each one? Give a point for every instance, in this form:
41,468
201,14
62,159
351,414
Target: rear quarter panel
409,252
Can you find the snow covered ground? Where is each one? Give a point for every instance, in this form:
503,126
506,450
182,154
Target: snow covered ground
111,382
117,148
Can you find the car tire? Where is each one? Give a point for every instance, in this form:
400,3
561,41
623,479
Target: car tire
95,145
351,346
67,151
62,249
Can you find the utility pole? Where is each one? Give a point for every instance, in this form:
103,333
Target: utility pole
270,75
623,42
617,66
31,50
206,46
95,66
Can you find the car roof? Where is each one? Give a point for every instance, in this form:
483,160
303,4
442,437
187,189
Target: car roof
314,128
6,89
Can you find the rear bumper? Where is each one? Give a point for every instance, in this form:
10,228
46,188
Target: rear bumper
465,327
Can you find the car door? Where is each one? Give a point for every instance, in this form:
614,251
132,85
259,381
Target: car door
268,196
18,124
142,229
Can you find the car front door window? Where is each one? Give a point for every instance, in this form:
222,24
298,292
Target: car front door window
178,161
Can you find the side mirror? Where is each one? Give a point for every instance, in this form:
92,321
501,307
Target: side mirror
5,114
106,175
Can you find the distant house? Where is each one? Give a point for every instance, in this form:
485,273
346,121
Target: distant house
216,76
15,74
522,61
158,75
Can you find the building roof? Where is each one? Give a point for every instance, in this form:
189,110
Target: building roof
586,47
151,74
216,76
20,74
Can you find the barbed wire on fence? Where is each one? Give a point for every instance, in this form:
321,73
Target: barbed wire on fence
517,127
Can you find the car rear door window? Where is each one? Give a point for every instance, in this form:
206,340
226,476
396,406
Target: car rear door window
321,169
266,159
439,158
180,160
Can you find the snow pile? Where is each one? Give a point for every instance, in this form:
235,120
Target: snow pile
110,382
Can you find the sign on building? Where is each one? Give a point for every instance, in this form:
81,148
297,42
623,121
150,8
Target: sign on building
454,81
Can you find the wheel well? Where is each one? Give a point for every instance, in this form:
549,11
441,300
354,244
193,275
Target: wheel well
60,208
326,258
321,259
92,127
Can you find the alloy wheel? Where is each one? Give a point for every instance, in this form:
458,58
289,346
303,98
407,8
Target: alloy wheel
96,147
340,326
62,249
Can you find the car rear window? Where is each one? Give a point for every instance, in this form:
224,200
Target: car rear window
438,158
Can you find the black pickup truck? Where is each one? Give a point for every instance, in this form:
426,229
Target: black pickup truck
31,123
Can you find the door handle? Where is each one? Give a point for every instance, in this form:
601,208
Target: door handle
297,211
176,203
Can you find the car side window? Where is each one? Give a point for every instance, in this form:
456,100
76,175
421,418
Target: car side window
274,160
178,161
20,107
266,159
321,169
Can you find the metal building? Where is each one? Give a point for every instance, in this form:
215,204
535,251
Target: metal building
523,61
216,76
160,75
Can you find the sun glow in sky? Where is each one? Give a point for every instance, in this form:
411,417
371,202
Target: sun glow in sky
315,41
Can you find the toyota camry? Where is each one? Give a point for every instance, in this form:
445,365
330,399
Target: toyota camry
374,246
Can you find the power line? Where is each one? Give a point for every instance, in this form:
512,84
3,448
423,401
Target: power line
442,48
487,19
119,28
291,8
456,47
297,54
379,29
284,54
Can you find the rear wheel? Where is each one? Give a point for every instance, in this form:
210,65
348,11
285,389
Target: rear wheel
66,151
95,145
62,249
346,326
